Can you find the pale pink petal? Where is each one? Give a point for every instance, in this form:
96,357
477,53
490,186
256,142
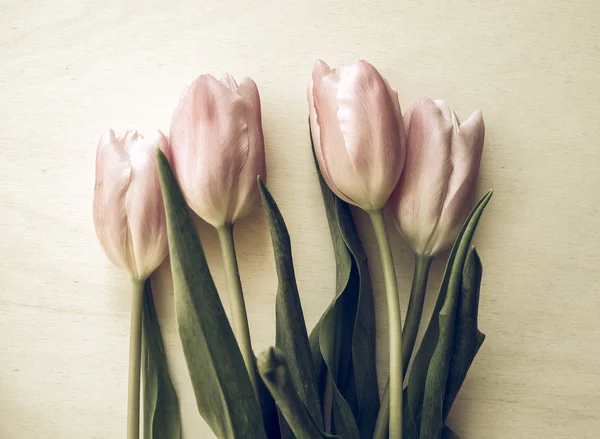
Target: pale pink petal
212,142
252,113
369,115
248,194
144,204
335,162
128,209
316,137
421,191
361,143
467,147
229,82
110,216
435,193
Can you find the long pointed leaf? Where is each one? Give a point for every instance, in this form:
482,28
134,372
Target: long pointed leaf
467,339
363,337
448,434
161,406
291,333
275,373
420,370
269,410
345,335
442,334
224,394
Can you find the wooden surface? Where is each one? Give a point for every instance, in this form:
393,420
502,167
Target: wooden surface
70,69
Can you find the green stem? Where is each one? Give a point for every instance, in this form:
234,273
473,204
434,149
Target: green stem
415,307
382,425
135,359
395,323
236,301
409,334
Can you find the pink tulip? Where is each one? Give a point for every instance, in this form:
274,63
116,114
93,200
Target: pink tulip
357,132
128,209
218,149
435,193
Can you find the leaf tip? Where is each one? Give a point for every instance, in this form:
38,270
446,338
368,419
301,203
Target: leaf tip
262,188
161,157
270,359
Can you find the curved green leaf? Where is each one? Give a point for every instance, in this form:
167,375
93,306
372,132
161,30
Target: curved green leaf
467,339
275,373
343,342
448,434
224,394
268,409
161,406
363,337
291,334
427,383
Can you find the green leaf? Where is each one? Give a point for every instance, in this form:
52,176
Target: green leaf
321,373
343,422
224,394
427,383
343,342
467,339
335,335
448,434
161,406
268,409
363,337
275,372
291,335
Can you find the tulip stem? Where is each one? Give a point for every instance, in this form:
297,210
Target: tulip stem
135,359
415,307
409,335
394,322
240,324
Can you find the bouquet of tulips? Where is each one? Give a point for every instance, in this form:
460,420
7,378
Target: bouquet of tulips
422,166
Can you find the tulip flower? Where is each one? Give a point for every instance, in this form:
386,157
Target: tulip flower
128,210
357,132
435,193
358,137
130,222
217,153
217,148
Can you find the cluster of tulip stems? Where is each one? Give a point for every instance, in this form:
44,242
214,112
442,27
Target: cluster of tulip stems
422,166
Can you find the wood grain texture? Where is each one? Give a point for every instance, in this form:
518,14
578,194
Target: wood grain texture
71,69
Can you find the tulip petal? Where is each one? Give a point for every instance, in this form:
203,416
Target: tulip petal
419,197
467,147
436,190
361,144
128,210
316,138
369,118
144,204
335,158
229,82
210,144
110,216
248,196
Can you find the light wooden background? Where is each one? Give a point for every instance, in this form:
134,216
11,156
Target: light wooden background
71,69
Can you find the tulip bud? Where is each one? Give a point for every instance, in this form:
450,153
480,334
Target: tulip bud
435,192
128,209
357,132
217,148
